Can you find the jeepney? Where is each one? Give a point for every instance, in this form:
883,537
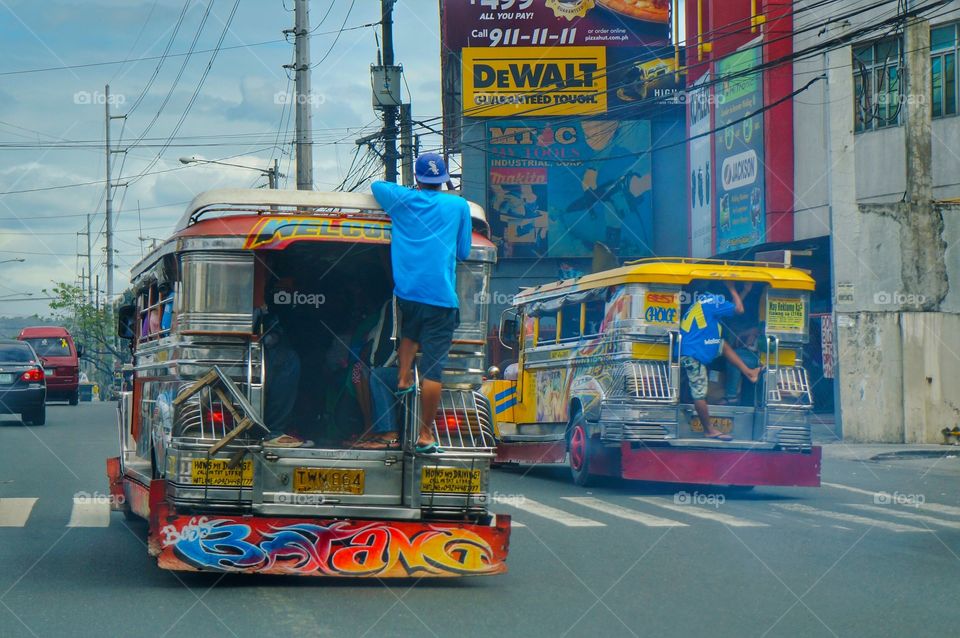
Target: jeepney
193,409
598,381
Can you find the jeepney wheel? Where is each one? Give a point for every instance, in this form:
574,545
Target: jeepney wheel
578,448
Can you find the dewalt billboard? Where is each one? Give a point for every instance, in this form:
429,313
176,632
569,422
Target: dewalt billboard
535,81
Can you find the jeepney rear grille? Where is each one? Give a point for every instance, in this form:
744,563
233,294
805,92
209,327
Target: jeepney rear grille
789,436
791,388
196,419
649,380
463,421
633,432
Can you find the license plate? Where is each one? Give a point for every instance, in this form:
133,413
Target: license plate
7,378
216,473
328,480
48,372
450,480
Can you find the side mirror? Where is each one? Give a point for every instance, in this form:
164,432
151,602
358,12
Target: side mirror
125,321
79,350
509,330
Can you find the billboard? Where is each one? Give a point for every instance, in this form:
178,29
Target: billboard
740,189
701,169
556,187
534,81
551,23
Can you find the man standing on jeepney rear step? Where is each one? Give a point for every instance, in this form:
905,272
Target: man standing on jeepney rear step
701,344
431,231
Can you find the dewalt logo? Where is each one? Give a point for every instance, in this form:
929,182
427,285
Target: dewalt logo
534,81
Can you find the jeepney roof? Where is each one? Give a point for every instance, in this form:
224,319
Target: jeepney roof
231,201
678,271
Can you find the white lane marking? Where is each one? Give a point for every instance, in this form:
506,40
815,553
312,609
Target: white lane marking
516,524
14,512
849,518
953,510
920,518
623,512
554,514
89,513
700,512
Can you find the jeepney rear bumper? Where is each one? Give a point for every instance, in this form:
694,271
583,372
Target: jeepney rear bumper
320,547
714,466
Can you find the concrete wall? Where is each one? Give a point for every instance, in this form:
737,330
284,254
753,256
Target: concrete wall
931,367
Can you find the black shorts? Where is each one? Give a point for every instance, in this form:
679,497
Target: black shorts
432,327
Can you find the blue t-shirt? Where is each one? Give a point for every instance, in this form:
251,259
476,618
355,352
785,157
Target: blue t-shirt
701,330
431,231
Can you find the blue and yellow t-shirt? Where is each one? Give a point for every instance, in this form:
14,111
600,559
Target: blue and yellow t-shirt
701,330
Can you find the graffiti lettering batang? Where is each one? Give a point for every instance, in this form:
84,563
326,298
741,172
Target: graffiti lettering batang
331,548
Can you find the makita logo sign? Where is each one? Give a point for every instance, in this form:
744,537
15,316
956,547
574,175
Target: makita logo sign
739,170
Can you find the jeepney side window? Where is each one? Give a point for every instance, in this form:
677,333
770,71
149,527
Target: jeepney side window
547,328
570,322
593,319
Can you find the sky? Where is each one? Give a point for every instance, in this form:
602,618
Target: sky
238,116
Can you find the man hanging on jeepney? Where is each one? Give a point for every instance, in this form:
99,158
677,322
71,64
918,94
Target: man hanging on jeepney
701,343
431,231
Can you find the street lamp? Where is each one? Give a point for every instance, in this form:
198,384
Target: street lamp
271,173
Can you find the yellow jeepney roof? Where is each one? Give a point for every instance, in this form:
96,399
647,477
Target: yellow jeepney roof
677,271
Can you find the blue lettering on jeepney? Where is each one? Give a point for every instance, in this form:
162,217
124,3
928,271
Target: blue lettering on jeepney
657,314
217,545
350,229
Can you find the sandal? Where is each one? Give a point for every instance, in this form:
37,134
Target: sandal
720,436
404,391
379,444
286,440
429,448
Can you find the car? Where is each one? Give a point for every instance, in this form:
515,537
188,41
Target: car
61,360
23,385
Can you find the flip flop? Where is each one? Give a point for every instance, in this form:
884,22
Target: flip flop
403,391
718,437
379,444
429,448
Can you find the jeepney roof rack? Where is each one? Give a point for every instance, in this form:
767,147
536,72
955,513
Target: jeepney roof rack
716,262
292,202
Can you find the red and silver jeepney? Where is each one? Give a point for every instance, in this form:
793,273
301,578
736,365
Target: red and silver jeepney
192,414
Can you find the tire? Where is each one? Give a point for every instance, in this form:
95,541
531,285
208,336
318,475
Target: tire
37,416
578,451
75,398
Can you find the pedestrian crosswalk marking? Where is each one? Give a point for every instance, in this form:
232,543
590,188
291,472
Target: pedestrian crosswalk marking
623,512
554,514
850,518
931,507
89,513
14,512
920,518
700,512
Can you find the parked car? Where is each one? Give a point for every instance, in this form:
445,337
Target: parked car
61,360
23,388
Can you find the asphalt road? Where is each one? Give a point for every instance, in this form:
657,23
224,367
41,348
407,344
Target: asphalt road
615,560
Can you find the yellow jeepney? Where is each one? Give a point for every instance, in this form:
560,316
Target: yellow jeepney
597,383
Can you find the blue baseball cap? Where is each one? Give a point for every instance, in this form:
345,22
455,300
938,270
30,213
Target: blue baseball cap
431,169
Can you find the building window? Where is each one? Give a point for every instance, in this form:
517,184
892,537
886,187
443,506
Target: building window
876,82
943,70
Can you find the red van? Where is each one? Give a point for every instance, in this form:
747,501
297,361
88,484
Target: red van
61,360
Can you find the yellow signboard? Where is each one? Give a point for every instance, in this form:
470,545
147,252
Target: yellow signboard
450,480
661,308
534,81
785,315
218,473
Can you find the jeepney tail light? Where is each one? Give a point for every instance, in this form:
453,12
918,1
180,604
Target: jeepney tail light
33,375
219,416
448,421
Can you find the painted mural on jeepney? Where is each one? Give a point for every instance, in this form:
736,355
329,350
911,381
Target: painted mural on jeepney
552,395
327,548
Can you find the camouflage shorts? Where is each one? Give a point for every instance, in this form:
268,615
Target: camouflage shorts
696,376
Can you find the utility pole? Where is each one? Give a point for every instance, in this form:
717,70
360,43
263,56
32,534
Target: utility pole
406,144
109,209
272,173
89,256
389,112
302,99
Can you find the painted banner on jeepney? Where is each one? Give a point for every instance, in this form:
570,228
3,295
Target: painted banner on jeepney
556,187
740,189
786,314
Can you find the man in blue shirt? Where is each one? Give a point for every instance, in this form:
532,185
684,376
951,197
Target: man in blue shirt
701,343
431,231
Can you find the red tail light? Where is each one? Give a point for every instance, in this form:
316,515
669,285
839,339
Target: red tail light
219,416
32,375
450,421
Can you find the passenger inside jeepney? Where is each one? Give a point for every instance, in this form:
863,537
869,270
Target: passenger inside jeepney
329,293
742,333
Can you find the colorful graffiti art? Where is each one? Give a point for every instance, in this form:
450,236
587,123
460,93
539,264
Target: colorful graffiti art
332,548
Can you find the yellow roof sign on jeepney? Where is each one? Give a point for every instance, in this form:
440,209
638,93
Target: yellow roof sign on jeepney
678,271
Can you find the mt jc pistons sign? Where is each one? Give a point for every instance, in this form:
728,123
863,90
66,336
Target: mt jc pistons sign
739,170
